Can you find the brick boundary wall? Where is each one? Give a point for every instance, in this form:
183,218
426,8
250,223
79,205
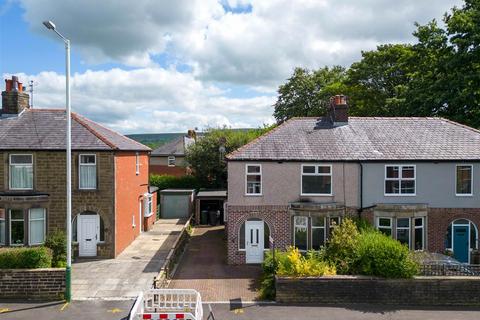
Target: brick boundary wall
421,291
34,284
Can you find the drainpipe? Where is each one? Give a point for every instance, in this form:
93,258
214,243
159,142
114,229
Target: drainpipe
361,191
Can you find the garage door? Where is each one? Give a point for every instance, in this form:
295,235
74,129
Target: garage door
175,206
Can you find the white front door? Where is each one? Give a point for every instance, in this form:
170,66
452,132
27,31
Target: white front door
87,235
254,241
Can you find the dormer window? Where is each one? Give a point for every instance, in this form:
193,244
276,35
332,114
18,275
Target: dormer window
21,172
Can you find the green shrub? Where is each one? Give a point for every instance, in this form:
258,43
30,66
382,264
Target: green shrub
167,181
25,258
57,242
342,246
363,224
380,255
267,280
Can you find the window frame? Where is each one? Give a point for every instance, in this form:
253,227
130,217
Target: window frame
253,174
316,165
324,227
471,180
87,164
137,163
147,205
415,227
4,219
30,243
171,159
306,238
23,165
10,228
377,225
400,179
409,228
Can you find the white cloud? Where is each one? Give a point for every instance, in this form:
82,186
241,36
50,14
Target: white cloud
258,48
149,100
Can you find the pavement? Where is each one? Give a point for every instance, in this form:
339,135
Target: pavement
132,271
204,268
120,309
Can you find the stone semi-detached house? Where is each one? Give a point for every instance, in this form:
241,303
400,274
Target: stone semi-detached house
111,199
416,179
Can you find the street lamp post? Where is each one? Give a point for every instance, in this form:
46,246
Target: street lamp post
68,292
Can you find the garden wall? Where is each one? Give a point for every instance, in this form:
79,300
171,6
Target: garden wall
35,284
421,291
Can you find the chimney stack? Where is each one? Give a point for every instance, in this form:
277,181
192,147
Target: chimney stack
338,113
14,99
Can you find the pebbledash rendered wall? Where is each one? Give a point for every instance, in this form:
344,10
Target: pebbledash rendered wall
421,291
34,284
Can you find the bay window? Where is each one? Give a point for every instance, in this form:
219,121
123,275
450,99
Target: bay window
311,233
300,227
36,228
318,232
419,234
21,172
316,180
87,171
409,231
400,180
253,179
403,231
464,180
385,225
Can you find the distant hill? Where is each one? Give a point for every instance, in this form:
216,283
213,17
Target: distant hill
154,140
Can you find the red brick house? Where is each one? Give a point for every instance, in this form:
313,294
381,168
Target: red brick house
416,179
112,202
169,159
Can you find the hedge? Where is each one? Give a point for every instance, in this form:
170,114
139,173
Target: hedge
171,182
25,258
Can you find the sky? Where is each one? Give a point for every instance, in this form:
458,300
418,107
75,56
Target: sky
150,66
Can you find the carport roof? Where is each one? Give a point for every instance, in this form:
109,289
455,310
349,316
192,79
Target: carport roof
212,194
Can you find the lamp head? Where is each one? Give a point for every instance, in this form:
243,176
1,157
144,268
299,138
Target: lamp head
49,24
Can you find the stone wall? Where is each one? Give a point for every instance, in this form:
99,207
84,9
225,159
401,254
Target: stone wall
36,284
421,291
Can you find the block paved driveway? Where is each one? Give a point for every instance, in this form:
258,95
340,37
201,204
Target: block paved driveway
132,271
203,267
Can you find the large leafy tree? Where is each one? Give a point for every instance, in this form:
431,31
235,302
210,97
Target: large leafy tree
306,92
207,156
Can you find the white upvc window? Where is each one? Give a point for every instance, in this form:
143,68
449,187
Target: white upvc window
87,171
464,180
36,226
253,179
316,180
2,226
385,225
137,163
300,232
403,231
21,172
400,180
148,204
17,227
419,233
171,161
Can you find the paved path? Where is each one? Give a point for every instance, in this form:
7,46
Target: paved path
115,310
204,268
132,271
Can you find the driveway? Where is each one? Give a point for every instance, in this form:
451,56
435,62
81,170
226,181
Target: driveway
132,271
203,267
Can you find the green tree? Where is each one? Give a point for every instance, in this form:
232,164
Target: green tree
306,92
376,85
207,155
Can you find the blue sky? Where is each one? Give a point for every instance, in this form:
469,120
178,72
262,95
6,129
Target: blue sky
163,66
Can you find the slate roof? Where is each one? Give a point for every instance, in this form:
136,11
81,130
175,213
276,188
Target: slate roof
367,138
45,129
175,147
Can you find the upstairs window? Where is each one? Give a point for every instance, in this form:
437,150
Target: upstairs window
87,171
21,172
400,180
464,179
316,180
253,179
171,161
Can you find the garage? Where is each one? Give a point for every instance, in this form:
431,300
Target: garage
176,203
209,208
